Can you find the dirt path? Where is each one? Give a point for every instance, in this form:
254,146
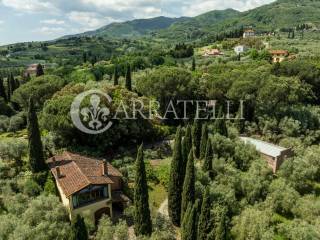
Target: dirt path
163,209
131,234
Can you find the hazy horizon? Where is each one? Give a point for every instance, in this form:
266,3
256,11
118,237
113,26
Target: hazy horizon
42,20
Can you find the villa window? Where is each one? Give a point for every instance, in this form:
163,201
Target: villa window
90,195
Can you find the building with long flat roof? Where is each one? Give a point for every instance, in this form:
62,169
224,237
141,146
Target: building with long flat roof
275,155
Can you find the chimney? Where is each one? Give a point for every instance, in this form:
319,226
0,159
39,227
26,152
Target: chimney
105,168
58,172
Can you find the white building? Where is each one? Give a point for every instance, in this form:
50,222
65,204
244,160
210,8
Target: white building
240,49
249,33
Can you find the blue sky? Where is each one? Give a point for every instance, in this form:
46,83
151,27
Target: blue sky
37,20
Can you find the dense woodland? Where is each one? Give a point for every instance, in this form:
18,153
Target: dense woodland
217,187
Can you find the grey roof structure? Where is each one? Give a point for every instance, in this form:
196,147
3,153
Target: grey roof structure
264,147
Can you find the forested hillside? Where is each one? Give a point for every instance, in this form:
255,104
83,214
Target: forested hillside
173,164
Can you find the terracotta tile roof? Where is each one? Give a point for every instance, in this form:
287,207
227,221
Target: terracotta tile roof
279,52
78,172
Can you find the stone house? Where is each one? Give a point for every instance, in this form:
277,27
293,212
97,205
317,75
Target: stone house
88,186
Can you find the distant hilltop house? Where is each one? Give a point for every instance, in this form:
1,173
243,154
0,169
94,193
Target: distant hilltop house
212,53
240,49
32,69
274,155
279,55
88,186
248,33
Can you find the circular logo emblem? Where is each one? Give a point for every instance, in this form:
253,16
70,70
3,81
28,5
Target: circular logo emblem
94,116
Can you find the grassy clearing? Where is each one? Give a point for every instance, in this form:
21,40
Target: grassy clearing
158,192
157,195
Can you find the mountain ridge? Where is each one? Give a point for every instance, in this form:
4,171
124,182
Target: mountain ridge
269,17
136,27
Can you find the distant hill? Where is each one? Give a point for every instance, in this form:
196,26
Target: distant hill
280,14
132,28
197,26
163,25
274,16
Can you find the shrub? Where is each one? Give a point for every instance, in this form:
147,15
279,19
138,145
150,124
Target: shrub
17,122
13,150
31,188
50,187
41,89
4,123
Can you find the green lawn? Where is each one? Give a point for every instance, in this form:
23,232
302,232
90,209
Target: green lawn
157,192
157,195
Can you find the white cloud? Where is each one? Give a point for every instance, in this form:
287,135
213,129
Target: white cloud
128,9
52,21
1,22
91,20
49,30
92,14
30,5
201,6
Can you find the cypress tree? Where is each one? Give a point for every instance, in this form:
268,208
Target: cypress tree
221,227
204,224
39,70
219,125
36,158
176,181
207,164
193,68
189,223
17,83
8,89
276,70
84,56
2,90
13,85
196,137
142,219
188,192
115,76
239,57
79,229
186,146
204,139
128,78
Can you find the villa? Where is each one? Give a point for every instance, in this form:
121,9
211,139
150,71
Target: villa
279,55
212,53
87,186
273,154
249,33
32,69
